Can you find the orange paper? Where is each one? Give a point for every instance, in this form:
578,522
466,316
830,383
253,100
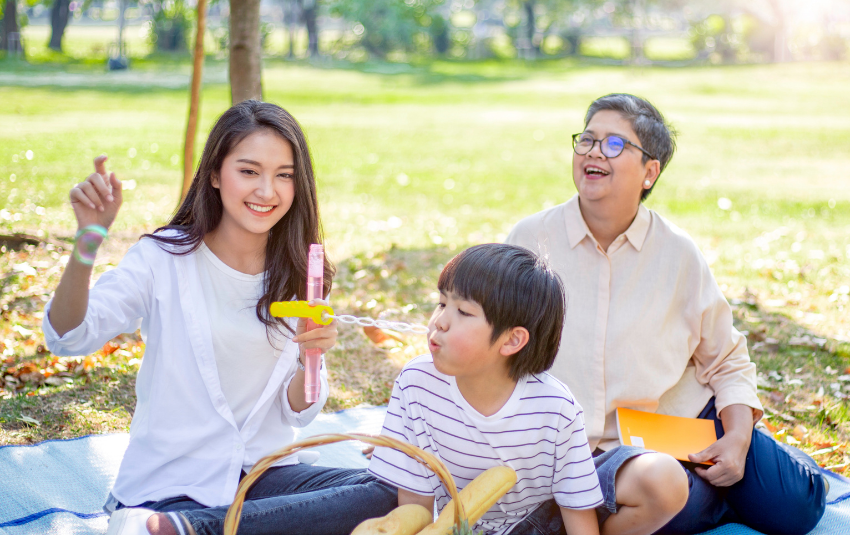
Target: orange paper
672,435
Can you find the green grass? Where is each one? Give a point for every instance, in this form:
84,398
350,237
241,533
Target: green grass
415,162
88,44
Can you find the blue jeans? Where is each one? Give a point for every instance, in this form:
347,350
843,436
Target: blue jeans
547,519
782,492
298,499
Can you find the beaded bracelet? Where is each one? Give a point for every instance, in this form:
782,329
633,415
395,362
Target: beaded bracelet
301,364
87,241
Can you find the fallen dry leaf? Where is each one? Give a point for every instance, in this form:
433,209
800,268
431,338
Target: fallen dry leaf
777,397
823,450
376,335
28,420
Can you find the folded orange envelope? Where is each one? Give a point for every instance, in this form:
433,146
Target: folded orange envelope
672,435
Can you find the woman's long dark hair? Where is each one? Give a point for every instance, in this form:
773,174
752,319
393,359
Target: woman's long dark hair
289,240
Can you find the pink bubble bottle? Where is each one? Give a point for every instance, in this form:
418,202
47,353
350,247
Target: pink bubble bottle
315,286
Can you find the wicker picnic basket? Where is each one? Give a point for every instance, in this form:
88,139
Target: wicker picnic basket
231,522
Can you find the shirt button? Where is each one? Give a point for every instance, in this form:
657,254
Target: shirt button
238,447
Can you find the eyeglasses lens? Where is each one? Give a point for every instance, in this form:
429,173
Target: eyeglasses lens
612,146
582,144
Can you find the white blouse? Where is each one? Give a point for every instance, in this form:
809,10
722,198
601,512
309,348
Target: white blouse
184,438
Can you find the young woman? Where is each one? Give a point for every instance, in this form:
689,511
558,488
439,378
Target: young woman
221,384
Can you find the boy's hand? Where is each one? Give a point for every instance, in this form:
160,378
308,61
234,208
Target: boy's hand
97,199
322,337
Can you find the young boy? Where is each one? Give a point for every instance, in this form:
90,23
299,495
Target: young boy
482,397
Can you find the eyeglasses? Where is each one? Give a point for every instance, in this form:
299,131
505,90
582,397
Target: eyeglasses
611,146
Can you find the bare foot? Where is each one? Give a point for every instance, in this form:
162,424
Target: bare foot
158,524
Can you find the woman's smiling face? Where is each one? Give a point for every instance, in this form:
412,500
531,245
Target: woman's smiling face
257,183
620,179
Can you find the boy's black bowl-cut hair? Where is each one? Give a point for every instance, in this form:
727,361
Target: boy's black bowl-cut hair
515,288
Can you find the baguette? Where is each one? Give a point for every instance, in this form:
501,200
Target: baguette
477,498
403,520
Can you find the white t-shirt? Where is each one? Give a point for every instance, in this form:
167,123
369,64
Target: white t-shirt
243,355
539,432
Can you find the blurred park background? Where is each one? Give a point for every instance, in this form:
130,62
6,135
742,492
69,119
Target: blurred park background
436,125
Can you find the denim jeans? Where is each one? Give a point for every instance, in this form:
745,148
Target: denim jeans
295,500
547,519
782,492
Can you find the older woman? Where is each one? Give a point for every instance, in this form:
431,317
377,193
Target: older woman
648,328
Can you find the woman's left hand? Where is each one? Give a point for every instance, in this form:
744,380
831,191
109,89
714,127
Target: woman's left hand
322,337
729,453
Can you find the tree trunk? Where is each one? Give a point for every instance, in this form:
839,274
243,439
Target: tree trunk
289,22
531,27
780,44
310,12
59,16
194,100
245,51
574,42
637,32
10,41
293,27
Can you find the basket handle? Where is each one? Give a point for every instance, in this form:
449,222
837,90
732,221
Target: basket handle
234,513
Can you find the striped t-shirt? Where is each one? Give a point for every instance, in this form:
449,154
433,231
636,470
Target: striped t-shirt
539,433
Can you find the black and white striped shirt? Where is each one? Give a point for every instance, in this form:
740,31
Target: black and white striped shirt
539,432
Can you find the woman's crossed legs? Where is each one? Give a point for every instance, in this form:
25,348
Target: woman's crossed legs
295,499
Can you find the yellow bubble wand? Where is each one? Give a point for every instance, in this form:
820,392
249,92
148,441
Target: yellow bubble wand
323,315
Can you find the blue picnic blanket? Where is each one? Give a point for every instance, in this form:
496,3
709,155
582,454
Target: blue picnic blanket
59,486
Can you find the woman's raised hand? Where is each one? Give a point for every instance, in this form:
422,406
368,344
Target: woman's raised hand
96,200
322,337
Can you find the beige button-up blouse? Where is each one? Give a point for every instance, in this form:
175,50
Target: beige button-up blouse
646,326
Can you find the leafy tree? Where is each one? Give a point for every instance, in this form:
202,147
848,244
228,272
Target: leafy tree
715,34
172,20
535,19
390,25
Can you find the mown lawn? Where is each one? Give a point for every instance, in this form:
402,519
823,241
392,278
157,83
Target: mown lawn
418,162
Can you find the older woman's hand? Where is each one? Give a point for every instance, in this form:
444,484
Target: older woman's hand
729,453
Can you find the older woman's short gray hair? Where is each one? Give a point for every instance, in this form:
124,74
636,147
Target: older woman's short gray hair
656,135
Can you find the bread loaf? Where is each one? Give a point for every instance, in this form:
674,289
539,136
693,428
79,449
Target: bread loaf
404,520
477,498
